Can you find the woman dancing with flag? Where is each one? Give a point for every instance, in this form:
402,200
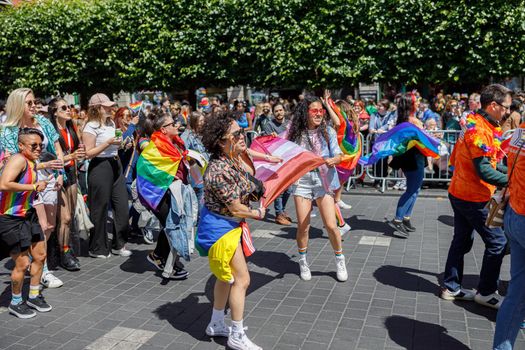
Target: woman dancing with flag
223,235
309,130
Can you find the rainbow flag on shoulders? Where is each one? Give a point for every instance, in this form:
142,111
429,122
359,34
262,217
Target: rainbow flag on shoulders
156,168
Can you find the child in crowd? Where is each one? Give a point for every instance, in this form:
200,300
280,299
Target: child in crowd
19,227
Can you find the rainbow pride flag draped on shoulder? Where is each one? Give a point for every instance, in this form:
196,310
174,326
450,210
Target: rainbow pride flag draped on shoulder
399,140
349,142
156,168
277,177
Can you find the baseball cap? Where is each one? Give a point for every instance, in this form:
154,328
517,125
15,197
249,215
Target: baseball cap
100,100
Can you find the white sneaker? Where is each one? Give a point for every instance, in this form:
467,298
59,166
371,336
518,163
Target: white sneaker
306,275
344,229
240,341
218,329
340,263
122,252
460,294
99,256
51,281
493,300
313,213
343,205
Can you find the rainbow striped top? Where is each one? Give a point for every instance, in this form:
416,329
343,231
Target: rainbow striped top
19,203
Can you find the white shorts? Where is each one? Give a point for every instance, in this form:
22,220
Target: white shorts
48,196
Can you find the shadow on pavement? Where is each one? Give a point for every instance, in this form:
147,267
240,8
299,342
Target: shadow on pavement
291,231
413,334
406,278
447,220
370,225
137,262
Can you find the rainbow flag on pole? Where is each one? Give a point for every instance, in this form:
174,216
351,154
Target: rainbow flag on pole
297,161
135,106
156,168
399,140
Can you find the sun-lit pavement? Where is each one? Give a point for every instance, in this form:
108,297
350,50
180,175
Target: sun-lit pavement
389,301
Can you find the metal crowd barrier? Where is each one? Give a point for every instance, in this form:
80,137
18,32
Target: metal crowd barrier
437,171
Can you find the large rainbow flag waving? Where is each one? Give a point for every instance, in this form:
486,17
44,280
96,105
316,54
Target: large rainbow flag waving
349,142
156,168
297,161
399,140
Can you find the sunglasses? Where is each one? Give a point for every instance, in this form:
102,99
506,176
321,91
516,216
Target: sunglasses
316,111
236,134
64,108
31,103
34,146
171,124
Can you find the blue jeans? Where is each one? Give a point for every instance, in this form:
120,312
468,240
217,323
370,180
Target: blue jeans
280,202
512,311
470,216
408,199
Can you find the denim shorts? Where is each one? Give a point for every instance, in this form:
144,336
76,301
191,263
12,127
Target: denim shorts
310,186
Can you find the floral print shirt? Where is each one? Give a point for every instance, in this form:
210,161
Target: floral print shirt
223,184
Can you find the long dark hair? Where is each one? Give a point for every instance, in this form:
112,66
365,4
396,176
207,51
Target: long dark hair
406,106
299,124
52,110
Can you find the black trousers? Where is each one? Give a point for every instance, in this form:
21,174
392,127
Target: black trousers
163,246
163,249
106,184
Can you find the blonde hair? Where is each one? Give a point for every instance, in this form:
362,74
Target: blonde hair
15,106
95,114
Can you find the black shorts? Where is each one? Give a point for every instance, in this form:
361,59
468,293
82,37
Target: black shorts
71,176
18,233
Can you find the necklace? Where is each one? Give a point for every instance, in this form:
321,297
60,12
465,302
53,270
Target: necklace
497,135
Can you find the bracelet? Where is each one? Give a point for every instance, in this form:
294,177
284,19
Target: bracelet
260,213
34,187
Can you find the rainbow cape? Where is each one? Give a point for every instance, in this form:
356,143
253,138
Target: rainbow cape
135,106
277,177
349,142
399,140
156,168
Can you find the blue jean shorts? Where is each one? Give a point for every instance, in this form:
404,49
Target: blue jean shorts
310,187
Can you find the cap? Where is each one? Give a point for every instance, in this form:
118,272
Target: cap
100,100
204,102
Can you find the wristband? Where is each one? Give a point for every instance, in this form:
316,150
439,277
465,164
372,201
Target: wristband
34,187
260,213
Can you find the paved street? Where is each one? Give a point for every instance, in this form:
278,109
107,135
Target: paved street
389,302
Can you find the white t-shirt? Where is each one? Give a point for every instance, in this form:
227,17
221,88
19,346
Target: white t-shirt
102,134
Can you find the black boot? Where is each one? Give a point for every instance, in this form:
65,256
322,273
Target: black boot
68,262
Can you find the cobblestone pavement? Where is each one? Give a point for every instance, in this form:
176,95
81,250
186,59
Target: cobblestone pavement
389,301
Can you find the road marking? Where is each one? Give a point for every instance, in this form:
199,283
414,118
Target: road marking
122,338
379,241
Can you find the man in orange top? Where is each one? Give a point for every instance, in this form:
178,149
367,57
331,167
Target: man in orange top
473,183
512,311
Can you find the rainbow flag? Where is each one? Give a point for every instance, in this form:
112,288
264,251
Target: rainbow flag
399,140
156,168
349,142
135,106
297,161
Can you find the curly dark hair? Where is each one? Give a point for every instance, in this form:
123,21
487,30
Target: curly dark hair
215,127
299,124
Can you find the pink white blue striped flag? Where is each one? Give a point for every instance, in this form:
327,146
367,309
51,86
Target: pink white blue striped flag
297,161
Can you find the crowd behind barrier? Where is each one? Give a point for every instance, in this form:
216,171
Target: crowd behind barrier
156,157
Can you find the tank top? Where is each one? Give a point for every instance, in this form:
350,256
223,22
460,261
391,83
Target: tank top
19,203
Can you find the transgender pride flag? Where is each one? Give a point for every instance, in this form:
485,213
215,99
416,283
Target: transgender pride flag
297,161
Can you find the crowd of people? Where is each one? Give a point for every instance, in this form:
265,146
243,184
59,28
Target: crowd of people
184,173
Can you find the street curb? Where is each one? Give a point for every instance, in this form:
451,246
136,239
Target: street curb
441,194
